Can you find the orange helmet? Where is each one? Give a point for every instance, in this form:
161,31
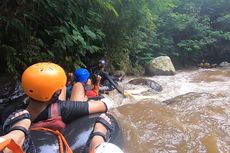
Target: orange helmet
41,80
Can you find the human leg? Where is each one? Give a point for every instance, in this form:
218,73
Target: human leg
96,107
78,92
16,128
100,135
99,128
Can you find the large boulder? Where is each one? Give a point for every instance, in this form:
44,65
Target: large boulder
161,65
150,83
224,64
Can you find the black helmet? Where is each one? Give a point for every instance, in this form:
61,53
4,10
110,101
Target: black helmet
102,63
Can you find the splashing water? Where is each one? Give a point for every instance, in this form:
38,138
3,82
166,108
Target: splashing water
191,114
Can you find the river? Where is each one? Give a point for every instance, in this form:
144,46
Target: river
191,114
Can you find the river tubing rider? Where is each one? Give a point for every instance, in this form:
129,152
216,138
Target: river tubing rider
43,83
17,138
82,81
83,76
17,135
107,81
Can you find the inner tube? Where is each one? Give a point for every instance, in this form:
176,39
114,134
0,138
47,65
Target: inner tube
76,134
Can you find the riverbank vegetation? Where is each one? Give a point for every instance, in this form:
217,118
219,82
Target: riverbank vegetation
129,33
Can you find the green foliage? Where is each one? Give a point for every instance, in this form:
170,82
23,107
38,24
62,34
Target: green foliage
187,34
129,33
50,30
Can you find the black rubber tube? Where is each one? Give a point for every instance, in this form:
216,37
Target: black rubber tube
76,134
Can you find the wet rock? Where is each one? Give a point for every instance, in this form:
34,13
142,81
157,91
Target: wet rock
7,85
207,65
11,96
10,90
187,98
224,64
214,65
160,66
150,83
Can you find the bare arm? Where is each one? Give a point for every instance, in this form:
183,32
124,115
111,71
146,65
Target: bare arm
97,107
100,106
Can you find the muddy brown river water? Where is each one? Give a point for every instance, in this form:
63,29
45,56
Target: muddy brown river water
190,115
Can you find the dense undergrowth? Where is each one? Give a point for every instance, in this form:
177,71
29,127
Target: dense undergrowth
128,33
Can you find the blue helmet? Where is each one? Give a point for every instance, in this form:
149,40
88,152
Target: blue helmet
81,75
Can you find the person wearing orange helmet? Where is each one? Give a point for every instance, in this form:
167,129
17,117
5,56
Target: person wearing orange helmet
44,83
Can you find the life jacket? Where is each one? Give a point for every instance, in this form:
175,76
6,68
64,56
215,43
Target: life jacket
91,94
54,124
54,120
10,144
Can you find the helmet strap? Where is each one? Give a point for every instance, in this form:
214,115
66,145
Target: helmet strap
55,96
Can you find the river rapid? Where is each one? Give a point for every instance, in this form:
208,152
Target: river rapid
191,114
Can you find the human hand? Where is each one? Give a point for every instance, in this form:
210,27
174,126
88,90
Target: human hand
98,78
